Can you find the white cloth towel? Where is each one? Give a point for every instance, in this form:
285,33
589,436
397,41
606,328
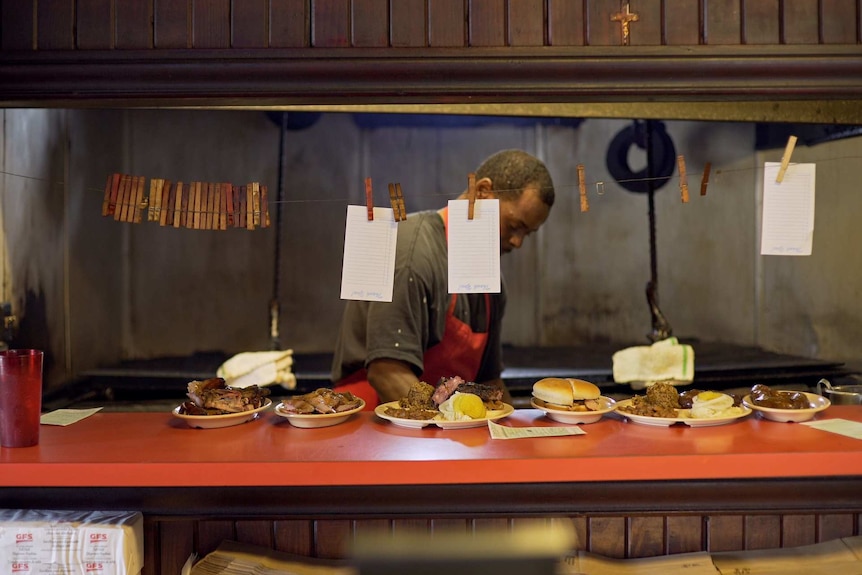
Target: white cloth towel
259,368
665,360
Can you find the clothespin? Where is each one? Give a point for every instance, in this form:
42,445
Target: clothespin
193,219
109,204
785,159
120,204
399,195
180,205
249,206
704,181
393,199
471,195
255,198
154,189
683,181
242,209
230,200
369,200
166,206
396,198
582,189
207,206
140,202
264,207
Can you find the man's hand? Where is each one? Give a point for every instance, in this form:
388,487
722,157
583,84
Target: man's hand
390,378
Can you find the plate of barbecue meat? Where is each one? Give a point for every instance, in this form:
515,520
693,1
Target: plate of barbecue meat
663,406
452,404
213,404
320,408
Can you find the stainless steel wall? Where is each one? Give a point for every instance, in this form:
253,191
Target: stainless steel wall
116,290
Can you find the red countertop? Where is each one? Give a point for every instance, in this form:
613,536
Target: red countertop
158,450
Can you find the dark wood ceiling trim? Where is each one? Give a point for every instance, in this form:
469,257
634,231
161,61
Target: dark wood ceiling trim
430,76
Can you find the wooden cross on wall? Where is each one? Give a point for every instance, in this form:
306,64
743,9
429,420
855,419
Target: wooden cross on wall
625,19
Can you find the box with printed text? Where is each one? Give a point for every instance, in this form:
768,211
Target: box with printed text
49,542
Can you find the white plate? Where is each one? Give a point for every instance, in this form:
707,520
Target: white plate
315,420
790,415
683,417
564,416
216,421
492,415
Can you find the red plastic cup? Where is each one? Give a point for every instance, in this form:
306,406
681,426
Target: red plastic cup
20,397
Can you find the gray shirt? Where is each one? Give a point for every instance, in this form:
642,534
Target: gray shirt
415,319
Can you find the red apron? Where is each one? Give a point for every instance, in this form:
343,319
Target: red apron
458,353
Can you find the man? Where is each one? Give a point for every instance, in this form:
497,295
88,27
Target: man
425,333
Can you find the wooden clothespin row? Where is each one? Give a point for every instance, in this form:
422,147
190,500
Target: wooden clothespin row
704,181
471,195
396,198
195,205
683,180
369,200
785,159
582,189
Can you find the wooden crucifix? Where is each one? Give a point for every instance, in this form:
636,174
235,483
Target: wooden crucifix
625,19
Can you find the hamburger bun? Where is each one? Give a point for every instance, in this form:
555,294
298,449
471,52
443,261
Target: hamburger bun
564,391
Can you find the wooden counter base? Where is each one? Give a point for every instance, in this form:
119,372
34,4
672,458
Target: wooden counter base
629,490
821,494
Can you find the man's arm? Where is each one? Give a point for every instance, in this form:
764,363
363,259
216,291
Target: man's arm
390,378
507,397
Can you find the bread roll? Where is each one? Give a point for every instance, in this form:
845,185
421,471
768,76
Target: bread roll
554,390
566,391
584,389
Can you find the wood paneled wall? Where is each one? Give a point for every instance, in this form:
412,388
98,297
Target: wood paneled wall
170,541
316,52
221,24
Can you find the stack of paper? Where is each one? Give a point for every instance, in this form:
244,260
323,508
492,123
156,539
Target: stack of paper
240,559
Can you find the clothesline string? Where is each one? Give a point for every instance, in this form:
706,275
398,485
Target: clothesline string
715,176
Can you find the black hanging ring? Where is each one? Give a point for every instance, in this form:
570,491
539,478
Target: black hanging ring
662,154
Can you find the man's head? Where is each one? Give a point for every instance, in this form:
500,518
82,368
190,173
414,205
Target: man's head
524,187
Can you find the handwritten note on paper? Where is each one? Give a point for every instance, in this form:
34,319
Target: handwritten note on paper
368,268
788,211
474,247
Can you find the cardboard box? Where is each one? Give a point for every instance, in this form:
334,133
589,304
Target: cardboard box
36,542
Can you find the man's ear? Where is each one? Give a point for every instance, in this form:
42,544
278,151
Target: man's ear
485,189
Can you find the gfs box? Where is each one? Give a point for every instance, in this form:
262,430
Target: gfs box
36,542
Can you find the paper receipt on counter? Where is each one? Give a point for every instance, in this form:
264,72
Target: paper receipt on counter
502,432
840,426
66,417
